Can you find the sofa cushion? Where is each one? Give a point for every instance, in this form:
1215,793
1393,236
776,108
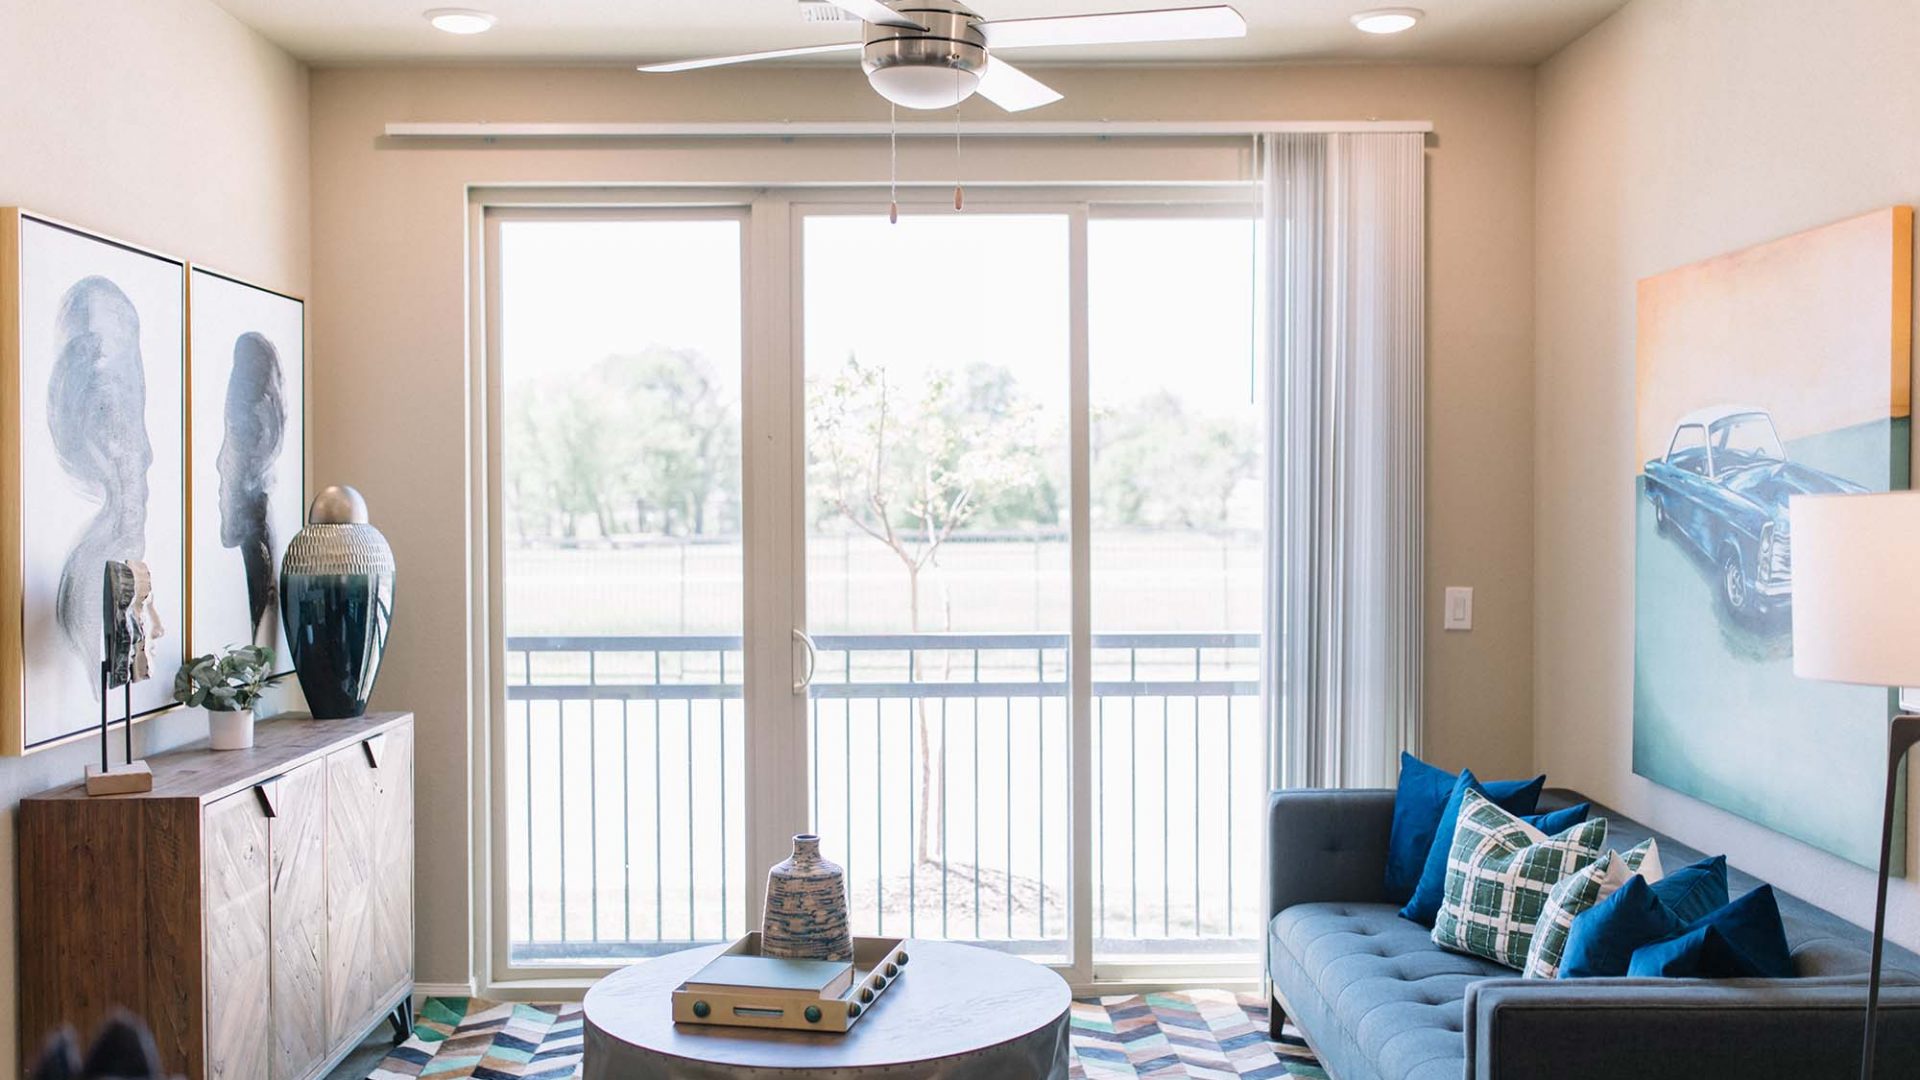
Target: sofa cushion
1428,892
1744,940
1602,941
1822,943
1578,893
1419,803
1372,991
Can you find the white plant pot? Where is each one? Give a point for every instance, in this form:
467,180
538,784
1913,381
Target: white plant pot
230,730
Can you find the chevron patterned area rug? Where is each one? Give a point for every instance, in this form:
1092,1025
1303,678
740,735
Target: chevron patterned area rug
1201,1033
1205,1033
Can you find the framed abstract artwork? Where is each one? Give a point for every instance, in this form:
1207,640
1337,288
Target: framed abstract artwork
92,467
247,432
1781,369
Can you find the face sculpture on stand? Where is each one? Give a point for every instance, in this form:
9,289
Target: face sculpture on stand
130,622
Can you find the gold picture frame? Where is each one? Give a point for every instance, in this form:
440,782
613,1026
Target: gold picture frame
39,708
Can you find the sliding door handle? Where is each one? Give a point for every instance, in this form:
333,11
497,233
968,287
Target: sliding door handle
813,658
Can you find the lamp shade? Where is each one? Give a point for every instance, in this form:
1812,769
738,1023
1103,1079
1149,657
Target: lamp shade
1856,587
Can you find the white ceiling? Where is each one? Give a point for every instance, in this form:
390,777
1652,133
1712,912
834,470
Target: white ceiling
591,31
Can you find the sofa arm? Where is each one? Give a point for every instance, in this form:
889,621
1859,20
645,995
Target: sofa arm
1684,1029
1326,845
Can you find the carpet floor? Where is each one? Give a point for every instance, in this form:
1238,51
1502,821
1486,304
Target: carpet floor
1201,1033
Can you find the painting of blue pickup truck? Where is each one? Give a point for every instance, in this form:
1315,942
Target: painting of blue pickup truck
1722,489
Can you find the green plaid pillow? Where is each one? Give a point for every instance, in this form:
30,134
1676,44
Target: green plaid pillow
1578,892
1499,872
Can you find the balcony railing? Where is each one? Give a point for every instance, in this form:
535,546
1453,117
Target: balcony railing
938,778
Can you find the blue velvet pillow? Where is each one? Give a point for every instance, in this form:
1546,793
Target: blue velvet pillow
1603,938
1431,889
1744,940
1696,890
1555,822
1417,807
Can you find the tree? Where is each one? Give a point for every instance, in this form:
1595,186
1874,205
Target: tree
1157,466
681,435
911,473
646,442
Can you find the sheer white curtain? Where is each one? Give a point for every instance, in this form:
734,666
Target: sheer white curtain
1346,253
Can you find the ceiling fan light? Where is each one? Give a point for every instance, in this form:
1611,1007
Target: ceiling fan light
919,87
461,20
1387,20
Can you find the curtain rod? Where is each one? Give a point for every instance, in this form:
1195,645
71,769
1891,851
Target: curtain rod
810,129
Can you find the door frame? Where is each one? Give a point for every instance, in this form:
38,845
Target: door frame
774,558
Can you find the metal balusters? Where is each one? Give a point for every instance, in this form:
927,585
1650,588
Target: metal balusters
593,812
1040,773
946,785
693,930
913,831
659,818
722,762
1229,817
626,820
527,680
546,760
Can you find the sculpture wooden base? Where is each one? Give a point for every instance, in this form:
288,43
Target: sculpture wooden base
119,780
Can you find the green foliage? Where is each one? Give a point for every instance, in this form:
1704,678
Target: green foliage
646,443
230,681
1157,466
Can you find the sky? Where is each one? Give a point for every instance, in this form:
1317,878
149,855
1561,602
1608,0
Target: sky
940,289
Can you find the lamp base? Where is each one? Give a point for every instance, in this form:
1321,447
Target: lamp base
1902,735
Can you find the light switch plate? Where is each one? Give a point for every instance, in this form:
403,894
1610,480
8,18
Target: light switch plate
1459,608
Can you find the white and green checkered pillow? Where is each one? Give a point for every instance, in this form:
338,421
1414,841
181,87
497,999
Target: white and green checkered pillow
1499,872
1578,892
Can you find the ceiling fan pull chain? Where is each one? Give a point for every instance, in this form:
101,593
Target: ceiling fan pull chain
893,164
959,192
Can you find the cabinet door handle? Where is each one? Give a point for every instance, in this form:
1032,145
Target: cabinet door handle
268,792
376,748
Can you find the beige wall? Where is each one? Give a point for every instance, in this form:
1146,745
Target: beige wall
168,124
1669,134
390,335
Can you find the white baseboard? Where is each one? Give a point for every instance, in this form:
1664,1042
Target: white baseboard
423,990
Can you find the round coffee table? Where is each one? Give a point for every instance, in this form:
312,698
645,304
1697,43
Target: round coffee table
957,1013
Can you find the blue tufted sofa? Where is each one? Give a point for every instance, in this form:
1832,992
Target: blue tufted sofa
1379,1001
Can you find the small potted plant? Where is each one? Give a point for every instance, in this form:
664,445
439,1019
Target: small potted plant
227,686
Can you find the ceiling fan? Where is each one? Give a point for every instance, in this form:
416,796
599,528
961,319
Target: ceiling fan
934,54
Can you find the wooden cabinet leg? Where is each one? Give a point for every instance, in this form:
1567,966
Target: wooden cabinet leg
402,1019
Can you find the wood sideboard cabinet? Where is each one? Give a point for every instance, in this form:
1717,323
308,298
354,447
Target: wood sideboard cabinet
255,907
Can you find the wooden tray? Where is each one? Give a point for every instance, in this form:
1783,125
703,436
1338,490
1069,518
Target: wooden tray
877,964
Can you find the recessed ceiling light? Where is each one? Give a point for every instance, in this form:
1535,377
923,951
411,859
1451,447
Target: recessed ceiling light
1387,20
461,20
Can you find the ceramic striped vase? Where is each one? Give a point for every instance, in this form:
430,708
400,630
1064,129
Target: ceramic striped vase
807,907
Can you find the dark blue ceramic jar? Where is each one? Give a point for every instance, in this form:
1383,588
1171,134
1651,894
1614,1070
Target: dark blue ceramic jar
336,602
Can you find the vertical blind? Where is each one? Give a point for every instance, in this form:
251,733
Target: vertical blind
1345,249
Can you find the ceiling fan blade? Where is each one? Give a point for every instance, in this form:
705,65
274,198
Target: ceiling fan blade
748,58
1117,28
1012,89
879,14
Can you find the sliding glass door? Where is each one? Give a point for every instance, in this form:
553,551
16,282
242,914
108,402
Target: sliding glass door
940,538
938,590
619,373
1176,517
